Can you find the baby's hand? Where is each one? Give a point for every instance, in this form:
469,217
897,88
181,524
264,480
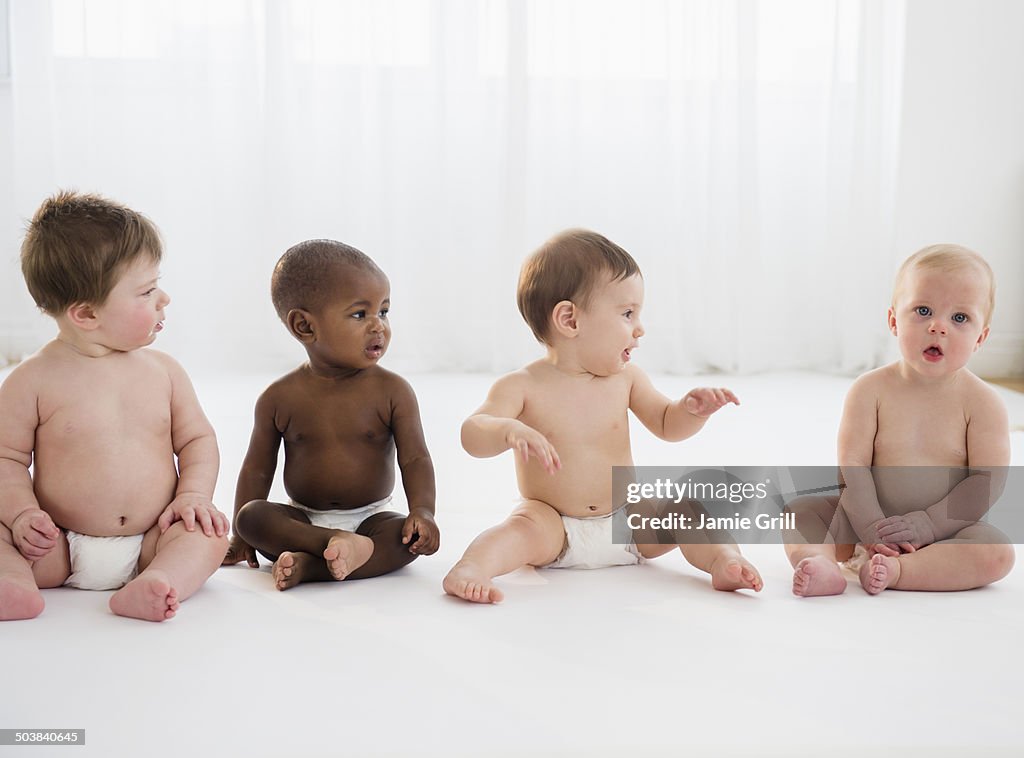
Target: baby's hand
420,523
527,441
34,533
890,549
240,550
190,507
703,401
915,528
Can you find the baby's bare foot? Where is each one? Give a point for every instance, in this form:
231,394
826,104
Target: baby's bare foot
291,568
149,597
19,600
881,572
465,581
818,576
346,552
734,572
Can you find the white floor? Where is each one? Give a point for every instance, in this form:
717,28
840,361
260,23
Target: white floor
619,661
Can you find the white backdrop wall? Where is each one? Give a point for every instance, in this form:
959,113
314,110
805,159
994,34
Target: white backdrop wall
748,154
962,151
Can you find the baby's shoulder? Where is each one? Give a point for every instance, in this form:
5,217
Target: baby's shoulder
980,398
48,367
284,391
157,360
388,380
874,384
26,377
393,389
294,378
530,379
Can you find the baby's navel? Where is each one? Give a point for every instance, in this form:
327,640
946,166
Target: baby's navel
592,507
123,520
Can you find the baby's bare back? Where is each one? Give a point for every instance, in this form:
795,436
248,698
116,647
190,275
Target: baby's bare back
586,419
103,457
339,445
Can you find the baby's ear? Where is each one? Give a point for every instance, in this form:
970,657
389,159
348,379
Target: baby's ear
981,339
563,316
82,316
892,322
300,324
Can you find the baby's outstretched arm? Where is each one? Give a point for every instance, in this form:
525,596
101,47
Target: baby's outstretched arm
495,428
678,420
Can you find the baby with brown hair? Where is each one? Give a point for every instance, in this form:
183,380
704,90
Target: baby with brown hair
123,460
566,418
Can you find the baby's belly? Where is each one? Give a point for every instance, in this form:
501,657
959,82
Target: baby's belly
105,495
913,488
578,494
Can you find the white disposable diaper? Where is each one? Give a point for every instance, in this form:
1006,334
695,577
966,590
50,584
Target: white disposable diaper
346,520
103,563
588,544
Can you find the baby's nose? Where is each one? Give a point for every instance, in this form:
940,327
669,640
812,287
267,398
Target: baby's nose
166,299
937,326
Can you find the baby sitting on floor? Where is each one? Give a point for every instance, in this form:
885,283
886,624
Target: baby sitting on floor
565,417
101,419
923,448
342,418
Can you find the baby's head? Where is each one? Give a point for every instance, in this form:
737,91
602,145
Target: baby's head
953,260
78,246
570,267
942,306
334,299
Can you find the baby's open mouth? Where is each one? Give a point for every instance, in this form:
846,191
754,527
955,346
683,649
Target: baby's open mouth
375,349
934,351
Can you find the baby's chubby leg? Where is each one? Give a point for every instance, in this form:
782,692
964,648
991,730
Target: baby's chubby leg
389,553
975,557
19,596
301,551
21,579
173,566
532,536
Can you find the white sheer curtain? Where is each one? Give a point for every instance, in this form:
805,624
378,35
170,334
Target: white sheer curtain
743,151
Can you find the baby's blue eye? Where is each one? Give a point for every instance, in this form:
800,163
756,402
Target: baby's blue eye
923,310
960,318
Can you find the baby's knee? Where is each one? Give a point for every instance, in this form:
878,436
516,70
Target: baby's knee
19,601
997,561
527,520
249,519
809,504
178,529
